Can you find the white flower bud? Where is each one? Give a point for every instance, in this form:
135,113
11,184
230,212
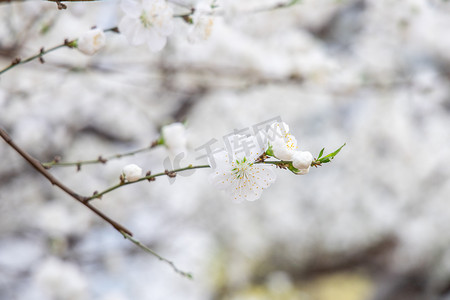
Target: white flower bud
175,137
302,160
132,172
91,41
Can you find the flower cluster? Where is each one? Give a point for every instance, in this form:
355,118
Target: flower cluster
247,166
243,171
284,147
152,21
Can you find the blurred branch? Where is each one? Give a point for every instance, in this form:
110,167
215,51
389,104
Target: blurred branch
9,1
148,176
145,248
37,165
57,163
69,44
84,200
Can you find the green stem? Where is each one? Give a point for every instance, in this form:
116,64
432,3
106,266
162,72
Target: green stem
167,173
100,159
147,249
149,177
67,43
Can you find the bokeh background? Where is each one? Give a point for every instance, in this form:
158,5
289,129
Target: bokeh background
372,225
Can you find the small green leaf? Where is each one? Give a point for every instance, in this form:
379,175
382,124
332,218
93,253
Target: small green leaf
321,152
160,141
269,151
293,169
330,156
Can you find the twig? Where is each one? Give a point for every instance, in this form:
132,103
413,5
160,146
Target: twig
145,248
148,177
57,163
37,165
83,200
69,44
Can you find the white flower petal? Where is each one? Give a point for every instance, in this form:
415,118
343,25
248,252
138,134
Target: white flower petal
221,180
220,160
237,173
154,5
131,7
245,192
155,42
139,36
166,28
263,175
127,27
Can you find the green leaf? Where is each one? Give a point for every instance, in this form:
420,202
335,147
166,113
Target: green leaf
293,169
321,152
161,140
269,151
330,156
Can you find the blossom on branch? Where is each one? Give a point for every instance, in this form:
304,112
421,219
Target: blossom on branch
132,172
238,174
91,41
284,144
302,160
203,22
146,21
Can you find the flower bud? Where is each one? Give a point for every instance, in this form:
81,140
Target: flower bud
302,160
132,172
91,41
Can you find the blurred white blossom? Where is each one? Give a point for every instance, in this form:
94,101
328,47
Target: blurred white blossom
175,138
203,22
91,41
146,21
57,220
61,280
237,173
132,172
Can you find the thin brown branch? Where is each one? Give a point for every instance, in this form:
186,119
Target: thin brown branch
83,200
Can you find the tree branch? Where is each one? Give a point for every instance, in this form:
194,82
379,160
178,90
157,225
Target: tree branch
69,44
37,165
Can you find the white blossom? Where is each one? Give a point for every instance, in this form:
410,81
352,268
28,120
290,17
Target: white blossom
302,160
58,220
91,41
175,138
238,174
146,21
61,280
284,144
203,22
132,172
